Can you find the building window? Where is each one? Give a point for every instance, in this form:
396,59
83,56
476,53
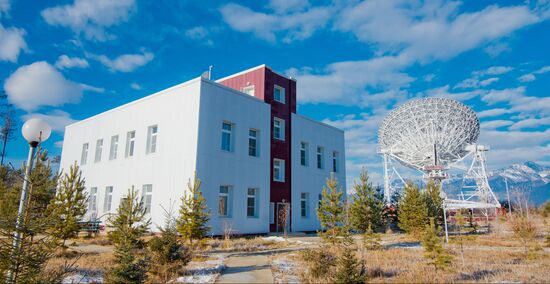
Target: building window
304,197
249,90
251,202
224,209
278,170
151,139
335,162
253,143
227,136
114,147
92,201
84,156
279,94
320,157
130,143
147,196
271,213
278,128
304,153
319,200
108,199
98,150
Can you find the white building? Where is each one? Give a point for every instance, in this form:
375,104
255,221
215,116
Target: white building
240,134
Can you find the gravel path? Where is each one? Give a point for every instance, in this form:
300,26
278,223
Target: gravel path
247,268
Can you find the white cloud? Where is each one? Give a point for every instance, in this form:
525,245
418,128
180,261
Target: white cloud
65,62
493,70
126,62
430,30
471,83
11,43
283,6
493,124
531,123
505,95
293,26
4,7
527,78
346,82
40,84
57,119
493,112
135,86
429,77
531,76
443,92
90,17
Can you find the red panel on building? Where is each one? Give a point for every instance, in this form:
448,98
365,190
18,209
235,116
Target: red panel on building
263,81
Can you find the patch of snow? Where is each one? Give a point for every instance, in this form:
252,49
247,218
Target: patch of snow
284,271
203,272
274,239
84,277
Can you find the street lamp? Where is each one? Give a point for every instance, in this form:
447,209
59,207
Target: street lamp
35,131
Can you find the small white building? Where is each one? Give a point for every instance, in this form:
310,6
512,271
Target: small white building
240,134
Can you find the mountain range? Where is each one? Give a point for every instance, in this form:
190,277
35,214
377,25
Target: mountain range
529,176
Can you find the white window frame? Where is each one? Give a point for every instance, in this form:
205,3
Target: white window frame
320,157
130,144
280,166
113,151
147,197
98,150
254,197
304,153
282,98
92,201
84,154
256,138
304,205
152,132
108,199
229,132
249,90
280,124
228,199
335,161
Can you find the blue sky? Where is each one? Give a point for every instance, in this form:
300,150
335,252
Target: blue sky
354,61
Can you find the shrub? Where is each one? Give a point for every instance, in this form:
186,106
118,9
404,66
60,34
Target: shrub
320,264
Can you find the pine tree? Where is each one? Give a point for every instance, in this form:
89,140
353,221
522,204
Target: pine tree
367,207
129,224
68,206
413,213
372,240
434,202
348,269
433,247
37,245
460,222
194,214
331,210
168,253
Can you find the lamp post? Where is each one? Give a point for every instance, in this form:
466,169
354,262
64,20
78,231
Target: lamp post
35,131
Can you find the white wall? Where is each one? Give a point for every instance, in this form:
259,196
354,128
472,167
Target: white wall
216,167
310,179
175,111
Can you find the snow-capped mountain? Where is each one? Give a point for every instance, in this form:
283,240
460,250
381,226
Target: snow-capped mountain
529,172
529,176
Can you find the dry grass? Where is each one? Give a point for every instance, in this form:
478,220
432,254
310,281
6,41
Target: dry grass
242,244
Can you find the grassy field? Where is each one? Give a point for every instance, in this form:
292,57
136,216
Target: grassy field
494,257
